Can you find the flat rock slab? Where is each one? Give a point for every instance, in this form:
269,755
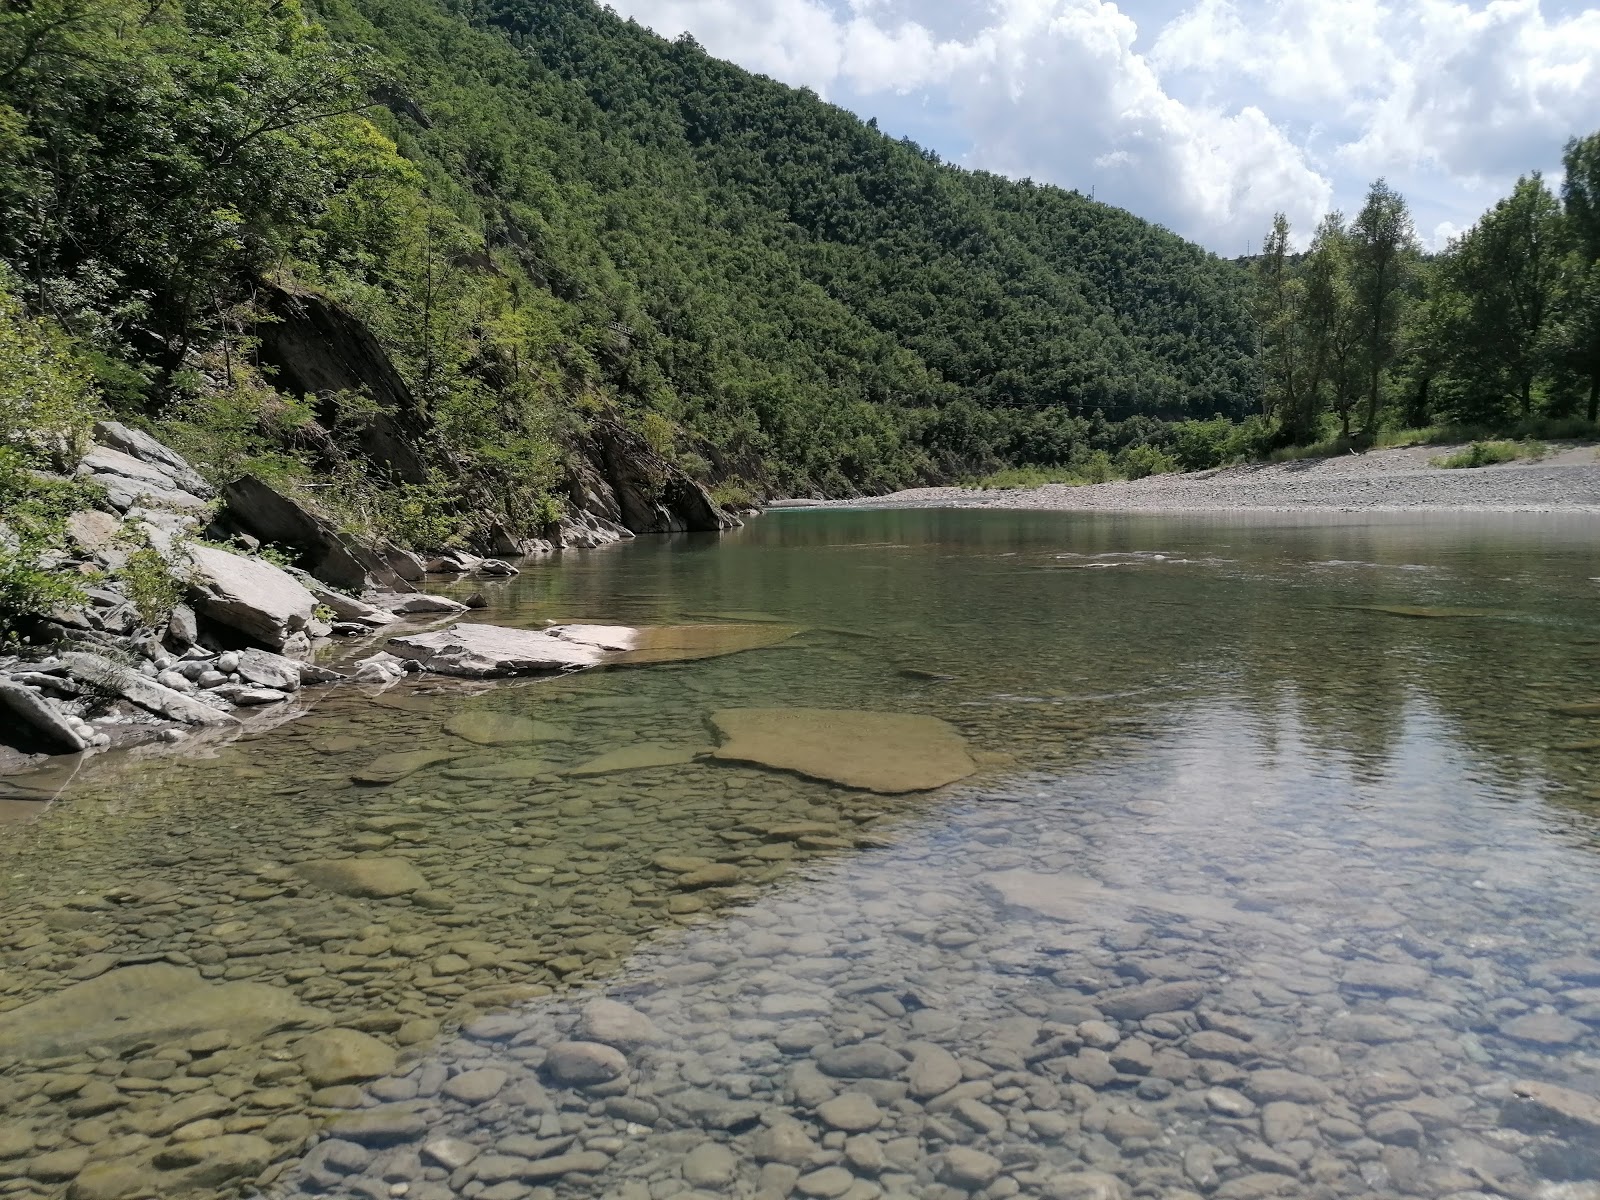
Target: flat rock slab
264,602
874,751
487,651
516,768
637,758
1078,898
687,643
365,878
390,768
503,729
152,1002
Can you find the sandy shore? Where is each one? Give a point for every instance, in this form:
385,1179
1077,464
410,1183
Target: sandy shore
1402,480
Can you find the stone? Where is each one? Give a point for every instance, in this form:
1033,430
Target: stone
934,1070
1086,1185
1275,1083
825,1183
615,1024
583,1064
588,1162
1137,1003
851,1112
150,1002
140,446
486,651
388,1125
1386,978
269,670
785,1141
92,530
864,1060
391,768
969,1169
865,1154
711,875
42,716
1544,1029
1395,1127
209,1162
709,1164
450,1153
642,757
348,608
113,1179
320,547
102,673
476,1086
1067,897
874,751
333,1056
251,596
502,729
1539,1107
365,878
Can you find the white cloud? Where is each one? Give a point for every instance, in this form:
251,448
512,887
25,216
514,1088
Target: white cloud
1238,109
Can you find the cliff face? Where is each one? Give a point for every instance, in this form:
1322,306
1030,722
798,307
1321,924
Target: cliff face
617,485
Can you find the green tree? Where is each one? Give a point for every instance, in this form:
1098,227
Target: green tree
1578,300
1383,252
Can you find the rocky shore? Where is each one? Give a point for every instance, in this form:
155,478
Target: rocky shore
1381,481
234,628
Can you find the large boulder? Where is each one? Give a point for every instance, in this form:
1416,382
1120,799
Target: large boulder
260,509
130,483
263,602
37,713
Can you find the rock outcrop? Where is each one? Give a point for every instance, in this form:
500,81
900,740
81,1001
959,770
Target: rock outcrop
617,480
318,349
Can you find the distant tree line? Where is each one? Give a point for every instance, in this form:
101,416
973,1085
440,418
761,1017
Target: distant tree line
1500,329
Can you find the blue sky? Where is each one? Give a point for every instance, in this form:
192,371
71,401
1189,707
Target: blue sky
1205,115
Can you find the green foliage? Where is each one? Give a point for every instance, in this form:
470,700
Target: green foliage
47,405
1487,454
33,513
149,583
1136,462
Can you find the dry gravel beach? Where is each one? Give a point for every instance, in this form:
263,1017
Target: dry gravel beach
1401,480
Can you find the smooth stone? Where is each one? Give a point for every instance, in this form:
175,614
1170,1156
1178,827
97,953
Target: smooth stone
615,1024
826,1183
969,1169
1544,1029
1087,1185
710,1164
450,1153
334,1056
383,1126
364,878
476,1086
1277,1084
865,1060
874,751
587,1161
851,1112
785,1141
212,1161
934,1070
580,1064
1540,1106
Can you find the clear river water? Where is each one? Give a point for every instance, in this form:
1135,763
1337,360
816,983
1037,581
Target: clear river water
1278,877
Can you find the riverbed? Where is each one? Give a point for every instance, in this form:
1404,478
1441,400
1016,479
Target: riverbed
1277,877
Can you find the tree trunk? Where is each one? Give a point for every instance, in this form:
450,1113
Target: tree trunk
1594,397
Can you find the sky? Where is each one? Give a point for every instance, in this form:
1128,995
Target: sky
1206,116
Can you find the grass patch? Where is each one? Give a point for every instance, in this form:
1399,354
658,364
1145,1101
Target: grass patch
1487,454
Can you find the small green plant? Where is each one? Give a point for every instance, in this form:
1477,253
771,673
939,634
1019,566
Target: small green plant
149,583
1136,462
735,494
1487,454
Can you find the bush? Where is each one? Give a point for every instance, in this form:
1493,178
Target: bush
47,403
1487,454
33,514
1136,462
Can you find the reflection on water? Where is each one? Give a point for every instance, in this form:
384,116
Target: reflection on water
1277,878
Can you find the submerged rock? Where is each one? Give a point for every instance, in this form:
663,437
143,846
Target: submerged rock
636,758
152,1002
875,751
503,729
390,768
365,878
486,651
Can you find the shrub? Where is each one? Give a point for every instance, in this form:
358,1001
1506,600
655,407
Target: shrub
1136,462
1486,454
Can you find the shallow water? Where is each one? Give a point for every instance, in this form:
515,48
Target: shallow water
1278,873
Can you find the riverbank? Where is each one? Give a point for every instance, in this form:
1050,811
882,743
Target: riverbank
1400,480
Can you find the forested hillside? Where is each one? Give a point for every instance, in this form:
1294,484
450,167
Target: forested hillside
546,215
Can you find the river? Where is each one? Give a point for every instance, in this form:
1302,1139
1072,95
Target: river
1277,877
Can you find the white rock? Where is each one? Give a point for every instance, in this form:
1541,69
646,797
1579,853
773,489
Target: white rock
260,600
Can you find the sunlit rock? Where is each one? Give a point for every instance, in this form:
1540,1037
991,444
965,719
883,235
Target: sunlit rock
875,751
503,729
636,758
